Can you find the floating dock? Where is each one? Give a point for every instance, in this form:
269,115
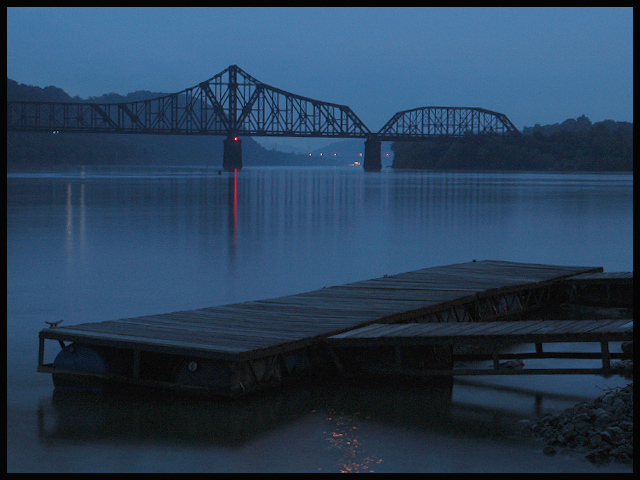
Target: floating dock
239,348
365,347
602,289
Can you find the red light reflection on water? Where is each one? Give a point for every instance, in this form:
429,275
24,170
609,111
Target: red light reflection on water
344,439
235,207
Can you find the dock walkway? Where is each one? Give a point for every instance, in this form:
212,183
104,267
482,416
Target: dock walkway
233,349
603,289
493,338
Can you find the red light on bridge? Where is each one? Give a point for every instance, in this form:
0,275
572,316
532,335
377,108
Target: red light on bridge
235,139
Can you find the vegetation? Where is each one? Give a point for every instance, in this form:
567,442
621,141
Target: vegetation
572,145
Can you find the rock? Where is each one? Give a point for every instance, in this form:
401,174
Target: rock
614,432
606,437
625,451
628,426
601,421
595,440
580,441
598,456
619,405
525,425
602,428
582,427
568,430
582,417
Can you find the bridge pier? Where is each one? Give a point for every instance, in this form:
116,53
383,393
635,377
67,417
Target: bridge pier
372,155
232,153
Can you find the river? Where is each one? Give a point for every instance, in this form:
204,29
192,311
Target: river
92,244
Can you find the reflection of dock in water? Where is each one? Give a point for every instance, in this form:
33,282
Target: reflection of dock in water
196,420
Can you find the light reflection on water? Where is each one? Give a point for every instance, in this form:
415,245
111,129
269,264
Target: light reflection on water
329,426
100,244
343,438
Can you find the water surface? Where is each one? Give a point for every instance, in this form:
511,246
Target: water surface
93,244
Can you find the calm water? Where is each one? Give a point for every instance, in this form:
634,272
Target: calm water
98,244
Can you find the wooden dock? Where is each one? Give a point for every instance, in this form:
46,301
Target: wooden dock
492,337
614,289
238,348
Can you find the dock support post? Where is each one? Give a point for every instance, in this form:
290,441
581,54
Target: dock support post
232,154
41,353
335,359
136,364
606,357
496,360
372,155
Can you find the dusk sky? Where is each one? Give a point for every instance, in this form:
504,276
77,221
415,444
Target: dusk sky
536,65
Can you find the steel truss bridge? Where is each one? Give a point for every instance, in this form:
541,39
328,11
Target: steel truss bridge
234,104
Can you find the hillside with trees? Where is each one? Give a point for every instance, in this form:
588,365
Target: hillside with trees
573,145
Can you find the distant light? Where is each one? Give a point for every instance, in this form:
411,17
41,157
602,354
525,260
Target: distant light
235,139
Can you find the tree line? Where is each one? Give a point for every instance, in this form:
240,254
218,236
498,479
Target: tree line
573,145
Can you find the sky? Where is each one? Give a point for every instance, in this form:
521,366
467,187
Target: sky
536,65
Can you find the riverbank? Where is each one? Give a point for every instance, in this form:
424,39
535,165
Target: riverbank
601,430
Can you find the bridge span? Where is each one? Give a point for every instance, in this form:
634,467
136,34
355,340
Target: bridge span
234,104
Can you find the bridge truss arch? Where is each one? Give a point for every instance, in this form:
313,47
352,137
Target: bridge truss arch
235,104
230,103
426,123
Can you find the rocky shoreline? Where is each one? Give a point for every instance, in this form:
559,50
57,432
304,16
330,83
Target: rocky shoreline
601,429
